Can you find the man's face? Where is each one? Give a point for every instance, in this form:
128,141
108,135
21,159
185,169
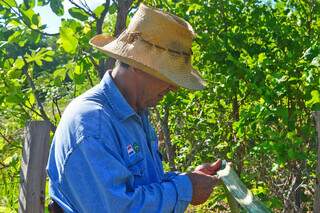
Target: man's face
153,90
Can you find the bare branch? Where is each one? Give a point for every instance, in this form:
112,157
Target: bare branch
33,87
30,108
55,101
84,3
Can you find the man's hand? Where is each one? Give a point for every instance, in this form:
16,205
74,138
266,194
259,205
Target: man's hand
209,169
203,180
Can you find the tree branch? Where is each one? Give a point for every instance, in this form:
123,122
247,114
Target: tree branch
55,101
3,165
89,12
30,108
33,87
96,66
6,139
84,3
100,20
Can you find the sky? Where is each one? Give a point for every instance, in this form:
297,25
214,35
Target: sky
52,20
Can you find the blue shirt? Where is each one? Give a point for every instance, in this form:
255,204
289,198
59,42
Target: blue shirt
104,158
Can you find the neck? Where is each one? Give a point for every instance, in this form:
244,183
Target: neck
126,82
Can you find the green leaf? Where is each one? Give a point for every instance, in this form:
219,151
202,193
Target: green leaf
43,2
261,57
15,36
67,40
60,74
18,64
98,10
22,43
30,18
14,73
32,99
41,55
112,8
79,14
315,98
35,19
12,3
57,7
29,3
35,37
316,61
77,70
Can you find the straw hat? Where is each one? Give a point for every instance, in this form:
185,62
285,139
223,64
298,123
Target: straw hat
158,43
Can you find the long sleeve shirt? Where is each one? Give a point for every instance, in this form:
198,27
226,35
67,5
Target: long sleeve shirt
104,158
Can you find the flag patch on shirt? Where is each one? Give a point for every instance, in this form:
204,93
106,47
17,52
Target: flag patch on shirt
130,150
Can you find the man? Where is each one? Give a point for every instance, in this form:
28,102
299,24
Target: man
104,156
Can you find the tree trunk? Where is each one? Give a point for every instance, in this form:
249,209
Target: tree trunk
33,167
123,10
316,205
170,150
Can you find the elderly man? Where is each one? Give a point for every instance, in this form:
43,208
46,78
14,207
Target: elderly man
104,156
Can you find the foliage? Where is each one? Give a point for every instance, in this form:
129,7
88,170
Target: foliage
261,61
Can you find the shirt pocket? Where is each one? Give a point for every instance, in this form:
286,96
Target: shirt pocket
134,159
137,169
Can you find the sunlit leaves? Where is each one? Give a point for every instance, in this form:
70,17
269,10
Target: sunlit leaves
68,40
60,74
98,10
39,56
19,63
315,94
11,3
30,18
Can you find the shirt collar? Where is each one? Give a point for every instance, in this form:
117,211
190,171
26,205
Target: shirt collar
118,103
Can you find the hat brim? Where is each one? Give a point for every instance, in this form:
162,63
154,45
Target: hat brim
163,65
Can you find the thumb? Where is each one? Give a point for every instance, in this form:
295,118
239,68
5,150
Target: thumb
216,180
214,167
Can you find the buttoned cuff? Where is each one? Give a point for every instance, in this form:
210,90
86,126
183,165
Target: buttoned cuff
184,192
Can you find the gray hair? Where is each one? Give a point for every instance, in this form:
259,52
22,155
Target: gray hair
122,64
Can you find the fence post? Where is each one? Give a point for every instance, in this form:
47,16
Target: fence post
316,204
33,174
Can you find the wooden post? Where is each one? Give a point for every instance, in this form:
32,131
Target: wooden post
316,204
33,167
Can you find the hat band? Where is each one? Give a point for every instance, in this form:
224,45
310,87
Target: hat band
132,36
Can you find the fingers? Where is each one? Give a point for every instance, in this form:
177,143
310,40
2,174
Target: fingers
209,169
216,165
215,180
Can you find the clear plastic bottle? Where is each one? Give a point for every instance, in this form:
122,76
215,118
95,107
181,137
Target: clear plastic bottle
239,191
